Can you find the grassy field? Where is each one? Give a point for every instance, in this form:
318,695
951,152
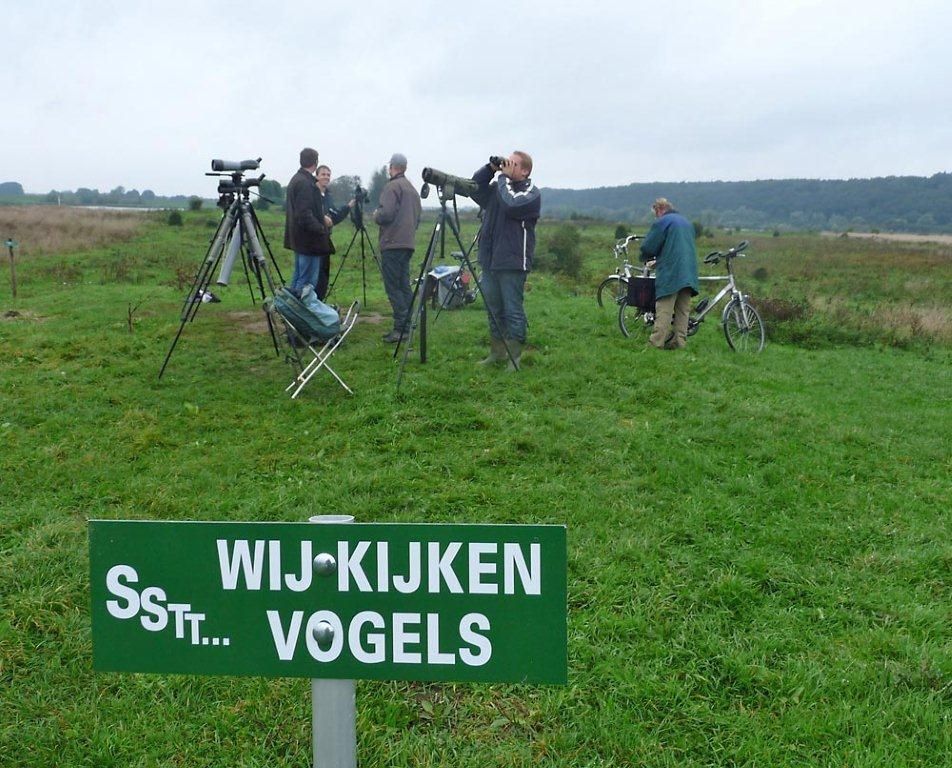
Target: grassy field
759,549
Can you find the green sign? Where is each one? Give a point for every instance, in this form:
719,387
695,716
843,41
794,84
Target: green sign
333,600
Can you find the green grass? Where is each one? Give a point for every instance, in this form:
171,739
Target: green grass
759,556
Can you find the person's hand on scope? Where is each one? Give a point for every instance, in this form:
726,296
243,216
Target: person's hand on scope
328,222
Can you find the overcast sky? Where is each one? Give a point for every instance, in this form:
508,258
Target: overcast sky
103,93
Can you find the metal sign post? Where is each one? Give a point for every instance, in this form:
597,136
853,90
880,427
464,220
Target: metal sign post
333,702
11,244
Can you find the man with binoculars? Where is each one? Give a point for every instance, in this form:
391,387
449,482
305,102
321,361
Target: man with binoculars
511,206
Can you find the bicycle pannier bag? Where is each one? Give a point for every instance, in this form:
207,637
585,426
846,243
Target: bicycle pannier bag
641,293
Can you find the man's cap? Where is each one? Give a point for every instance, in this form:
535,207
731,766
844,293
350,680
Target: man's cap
398,160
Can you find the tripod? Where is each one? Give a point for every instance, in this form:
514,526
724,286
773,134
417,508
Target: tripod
239,232
357,217
437,242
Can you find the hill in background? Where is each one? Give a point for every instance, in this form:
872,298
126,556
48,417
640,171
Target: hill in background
894,203
891,203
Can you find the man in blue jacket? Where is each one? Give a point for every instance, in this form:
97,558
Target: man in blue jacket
511,205
670,244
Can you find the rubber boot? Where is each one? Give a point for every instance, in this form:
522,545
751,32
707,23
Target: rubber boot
497,352
515,347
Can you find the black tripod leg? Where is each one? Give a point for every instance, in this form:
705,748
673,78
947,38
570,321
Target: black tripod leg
365,238
260,230
418,302
340,266
363,264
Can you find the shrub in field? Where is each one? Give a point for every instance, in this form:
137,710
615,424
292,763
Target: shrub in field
195,203
121,268
621,231
175,219
63,272
562,251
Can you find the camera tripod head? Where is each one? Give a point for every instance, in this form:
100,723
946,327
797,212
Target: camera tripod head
235,183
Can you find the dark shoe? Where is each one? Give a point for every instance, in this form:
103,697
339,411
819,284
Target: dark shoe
393,337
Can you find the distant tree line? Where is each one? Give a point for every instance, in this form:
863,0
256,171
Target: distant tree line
120,196
892,203
270,193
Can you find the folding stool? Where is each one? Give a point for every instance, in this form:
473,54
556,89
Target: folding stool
321,351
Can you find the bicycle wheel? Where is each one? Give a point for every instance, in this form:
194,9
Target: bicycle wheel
633,322
611,290
743,327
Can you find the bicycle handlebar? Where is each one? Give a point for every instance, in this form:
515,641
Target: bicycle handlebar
715,256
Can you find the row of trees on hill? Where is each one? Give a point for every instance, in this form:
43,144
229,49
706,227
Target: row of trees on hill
120,196
897,203
271,192
893,203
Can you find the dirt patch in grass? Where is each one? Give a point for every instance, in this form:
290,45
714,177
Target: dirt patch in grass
13,315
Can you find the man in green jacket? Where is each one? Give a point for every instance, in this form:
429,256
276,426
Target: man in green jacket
670,245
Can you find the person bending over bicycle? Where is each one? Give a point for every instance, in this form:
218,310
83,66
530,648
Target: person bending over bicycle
670,245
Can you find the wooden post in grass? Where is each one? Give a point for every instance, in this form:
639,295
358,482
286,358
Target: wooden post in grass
11,244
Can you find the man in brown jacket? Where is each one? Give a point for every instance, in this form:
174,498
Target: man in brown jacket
398,216
305,231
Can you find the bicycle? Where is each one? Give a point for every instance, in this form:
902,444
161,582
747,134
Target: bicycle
615,285
743,328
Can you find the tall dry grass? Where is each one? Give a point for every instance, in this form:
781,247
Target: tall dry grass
43,230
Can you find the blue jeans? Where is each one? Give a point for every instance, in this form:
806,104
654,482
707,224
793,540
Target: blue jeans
307,267
503,291
395,267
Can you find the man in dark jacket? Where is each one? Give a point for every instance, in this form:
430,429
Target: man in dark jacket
670,244
398,216
511,206
305,231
